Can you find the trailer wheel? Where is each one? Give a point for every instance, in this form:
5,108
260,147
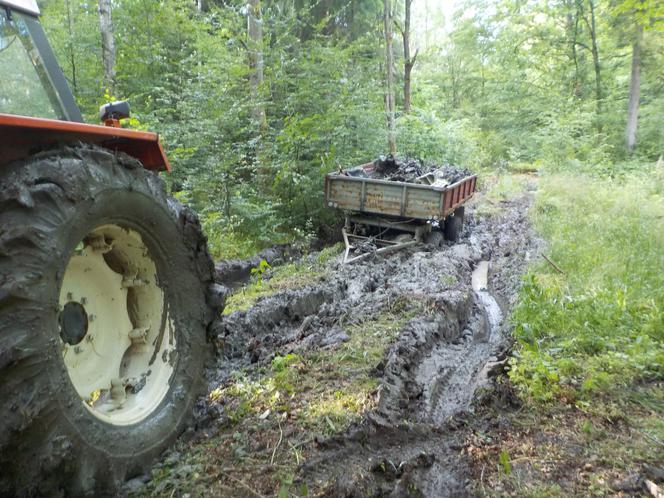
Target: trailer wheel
435,239
454,225
103,321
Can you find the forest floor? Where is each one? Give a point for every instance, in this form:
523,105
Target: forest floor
381,378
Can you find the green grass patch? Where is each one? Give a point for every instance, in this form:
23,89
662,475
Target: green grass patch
600,325
498,188
589,359
507,186
325,389
266,281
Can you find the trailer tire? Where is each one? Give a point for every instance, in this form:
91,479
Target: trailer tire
53,440
454,225
435,239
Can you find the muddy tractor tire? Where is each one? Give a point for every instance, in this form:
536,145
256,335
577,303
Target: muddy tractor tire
454,225
104,310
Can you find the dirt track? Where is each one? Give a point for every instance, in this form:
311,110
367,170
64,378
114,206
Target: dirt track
409,440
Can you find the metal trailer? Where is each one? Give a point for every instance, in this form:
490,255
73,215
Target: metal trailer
422,210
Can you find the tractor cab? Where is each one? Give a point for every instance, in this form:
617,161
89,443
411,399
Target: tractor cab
32,83
37,108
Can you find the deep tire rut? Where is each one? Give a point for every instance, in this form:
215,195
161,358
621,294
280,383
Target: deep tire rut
411,444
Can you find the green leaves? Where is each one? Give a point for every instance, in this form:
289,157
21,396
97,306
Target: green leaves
507,83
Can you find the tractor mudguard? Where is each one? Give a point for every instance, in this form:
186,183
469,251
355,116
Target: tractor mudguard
22,136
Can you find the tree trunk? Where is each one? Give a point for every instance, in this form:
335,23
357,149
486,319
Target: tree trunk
408,63
634,92
573,28
203,5
592,27
255,46
389,69
107,45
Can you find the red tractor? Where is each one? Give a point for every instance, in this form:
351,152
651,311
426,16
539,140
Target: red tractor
106,285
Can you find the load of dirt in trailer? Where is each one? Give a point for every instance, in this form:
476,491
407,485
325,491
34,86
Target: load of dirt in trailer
338,380
410,171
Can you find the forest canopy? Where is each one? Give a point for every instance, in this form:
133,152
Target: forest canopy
255,101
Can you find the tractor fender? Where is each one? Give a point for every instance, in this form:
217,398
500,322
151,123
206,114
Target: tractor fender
22,136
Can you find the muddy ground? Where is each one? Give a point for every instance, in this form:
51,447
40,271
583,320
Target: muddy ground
362,379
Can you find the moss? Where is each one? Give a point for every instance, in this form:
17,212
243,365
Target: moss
267,281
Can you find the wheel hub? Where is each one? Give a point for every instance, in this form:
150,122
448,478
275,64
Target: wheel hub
73,323
117,340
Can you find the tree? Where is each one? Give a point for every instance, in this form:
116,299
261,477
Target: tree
255,49
389,70
107,45
71,57
408,63
590,19
634,91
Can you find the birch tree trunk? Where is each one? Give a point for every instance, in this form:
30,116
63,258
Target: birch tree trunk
255,46
634,92
389,69
107,45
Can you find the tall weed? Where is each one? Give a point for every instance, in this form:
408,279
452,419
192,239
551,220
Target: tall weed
601,324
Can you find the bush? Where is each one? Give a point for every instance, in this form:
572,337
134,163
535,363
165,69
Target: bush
424,135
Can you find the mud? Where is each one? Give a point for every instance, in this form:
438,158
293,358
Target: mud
411,445
409,170
234,272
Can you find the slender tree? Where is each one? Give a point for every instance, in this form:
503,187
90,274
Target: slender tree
71,52
107,45
573,34
634,91
590,20
255,49
408,63
389,70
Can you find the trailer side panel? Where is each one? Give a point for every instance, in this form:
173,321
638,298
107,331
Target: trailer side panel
405,200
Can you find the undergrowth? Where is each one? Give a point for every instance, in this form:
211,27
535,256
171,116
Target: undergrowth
598,327
588,363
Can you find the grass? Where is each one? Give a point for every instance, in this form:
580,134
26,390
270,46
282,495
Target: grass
266,281
588,365
600,325
275,415
497,188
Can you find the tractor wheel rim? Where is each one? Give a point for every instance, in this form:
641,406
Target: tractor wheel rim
116,335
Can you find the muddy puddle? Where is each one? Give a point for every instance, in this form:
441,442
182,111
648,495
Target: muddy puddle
409,441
